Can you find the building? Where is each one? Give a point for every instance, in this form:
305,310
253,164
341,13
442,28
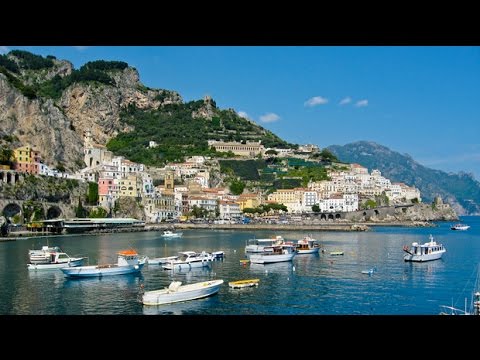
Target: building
249,148
27,160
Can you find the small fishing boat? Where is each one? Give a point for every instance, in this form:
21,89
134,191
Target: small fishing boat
273,254
128,262
307,245
243,283
176,292
336,253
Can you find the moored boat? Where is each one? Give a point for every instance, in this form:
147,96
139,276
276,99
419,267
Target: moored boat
424,252
257,245
51,258
307,245
188,260
239,284
161,260
273,254
177,292
171,234
128,262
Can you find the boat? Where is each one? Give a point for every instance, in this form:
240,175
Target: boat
424,252
128,262
177,292
161,260
188,260
336,253
257,245
171,234
274,254
369,271
307,245
51,258
461,227
240,284
218,255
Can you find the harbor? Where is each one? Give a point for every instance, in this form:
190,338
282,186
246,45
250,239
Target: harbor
310,284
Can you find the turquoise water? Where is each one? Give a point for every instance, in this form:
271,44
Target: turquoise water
310,285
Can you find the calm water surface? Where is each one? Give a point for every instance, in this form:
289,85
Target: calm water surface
311,284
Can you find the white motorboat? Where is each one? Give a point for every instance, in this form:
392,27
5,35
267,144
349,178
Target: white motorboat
177,292
128,262
424,252
257,245
273,254
171,234
461,227
51,258
307,245
188,260
161,260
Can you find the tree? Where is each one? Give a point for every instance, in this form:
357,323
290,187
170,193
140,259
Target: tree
236,187
271,152
316,208
92,196
6,155
80,211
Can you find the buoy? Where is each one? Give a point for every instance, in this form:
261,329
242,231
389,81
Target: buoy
294,268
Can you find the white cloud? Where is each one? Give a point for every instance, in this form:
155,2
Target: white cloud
243,114
270,117
361,103
81,48
4,49
316,100
345,101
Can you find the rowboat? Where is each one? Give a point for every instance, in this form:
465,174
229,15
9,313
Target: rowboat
243,283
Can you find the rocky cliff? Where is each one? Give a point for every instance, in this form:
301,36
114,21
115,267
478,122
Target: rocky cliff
56,125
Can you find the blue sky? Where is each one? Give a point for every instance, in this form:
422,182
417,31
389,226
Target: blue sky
420,100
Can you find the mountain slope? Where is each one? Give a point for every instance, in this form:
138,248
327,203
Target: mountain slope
461,190
48,104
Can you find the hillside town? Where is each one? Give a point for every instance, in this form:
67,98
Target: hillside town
187,189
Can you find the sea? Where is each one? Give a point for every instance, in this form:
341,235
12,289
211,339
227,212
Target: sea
319,284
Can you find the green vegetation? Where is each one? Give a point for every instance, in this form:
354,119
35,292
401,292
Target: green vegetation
103,65
92,196
236,187
8,64
415,201
317,173
283,183
26,90
31,61
6,155
369,204
98,213
179,134
316,208
244,169
266,208
80,211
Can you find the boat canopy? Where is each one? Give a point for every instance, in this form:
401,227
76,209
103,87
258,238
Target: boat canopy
127,252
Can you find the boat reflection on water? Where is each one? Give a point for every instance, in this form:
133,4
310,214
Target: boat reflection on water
280,268
191,307
107,282
46,276
190,275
